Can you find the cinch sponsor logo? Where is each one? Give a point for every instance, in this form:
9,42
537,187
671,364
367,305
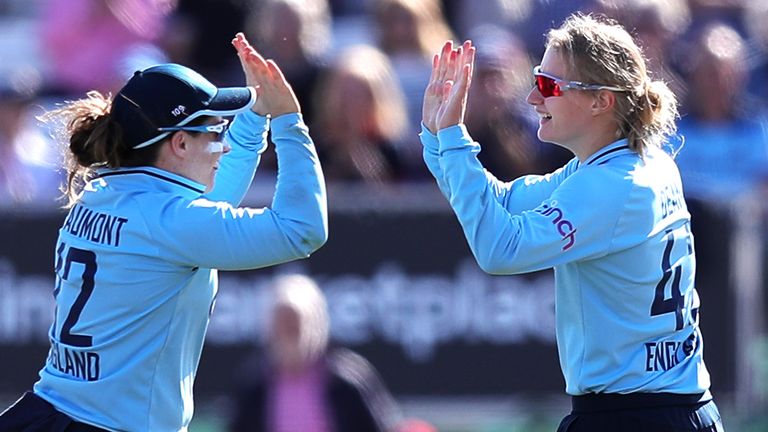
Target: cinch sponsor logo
564,227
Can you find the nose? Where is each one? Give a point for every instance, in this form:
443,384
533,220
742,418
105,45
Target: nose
227,148
534,97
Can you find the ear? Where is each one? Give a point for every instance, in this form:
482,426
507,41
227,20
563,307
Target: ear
603,101
178,144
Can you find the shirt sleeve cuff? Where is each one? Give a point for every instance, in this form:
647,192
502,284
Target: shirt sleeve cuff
428,139
454,137
249,129
287,121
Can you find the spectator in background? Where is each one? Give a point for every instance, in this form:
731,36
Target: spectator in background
408,32
756,15
658,26
497,115
305,386
197,33
28,163
730,12
296,34
360,116
97,44
345,8
526,18
464,16
726,139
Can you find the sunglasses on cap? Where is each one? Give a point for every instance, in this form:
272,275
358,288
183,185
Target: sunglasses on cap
217,128
550,85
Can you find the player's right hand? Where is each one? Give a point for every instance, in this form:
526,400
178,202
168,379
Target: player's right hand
453,85
275,95
433,95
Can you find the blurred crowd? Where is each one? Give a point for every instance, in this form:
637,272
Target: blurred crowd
359,68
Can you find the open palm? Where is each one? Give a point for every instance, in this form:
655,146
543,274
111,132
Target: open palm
445,99
275,96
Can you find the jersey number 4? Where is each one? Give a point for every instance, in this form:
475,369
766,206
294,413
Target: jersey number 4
88,260
676,302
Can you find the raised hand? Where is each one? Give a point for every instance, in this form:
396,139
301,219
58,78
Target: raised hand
433,95
275,95
455,86
445,99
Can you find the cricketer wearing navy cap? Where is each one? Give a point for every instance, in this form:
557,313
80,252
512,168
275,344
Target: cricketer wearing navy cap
137,255
169,96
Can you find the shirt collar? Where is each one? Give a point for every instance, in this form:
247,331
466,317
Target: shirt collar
609,152
163,180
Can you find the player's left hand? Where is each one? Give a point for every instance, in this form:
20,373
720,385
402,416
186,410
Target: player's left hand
275,95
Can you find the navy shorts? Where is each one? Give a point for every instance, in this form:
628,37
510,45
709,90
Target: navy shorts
34,414
641,413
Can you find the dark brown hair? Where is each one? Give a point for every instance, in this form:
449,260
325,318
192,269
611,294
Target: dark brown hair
93,140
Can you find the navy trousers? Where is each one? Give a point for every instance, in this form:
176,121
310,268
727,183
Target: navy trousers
642,413
34,414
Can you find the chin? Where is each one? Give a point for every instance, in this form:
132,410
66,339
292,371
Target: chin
551,140
545,137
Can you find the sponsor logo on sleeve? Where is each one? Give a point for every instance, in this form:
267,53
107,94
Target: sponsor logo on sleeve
563,226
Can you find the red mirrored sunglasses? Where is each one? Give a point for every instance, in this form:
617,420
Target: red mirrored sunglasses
550,85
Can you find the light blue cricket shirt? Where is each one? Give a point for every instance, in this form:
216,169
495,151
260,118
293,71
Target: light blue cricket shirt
616,229
136,280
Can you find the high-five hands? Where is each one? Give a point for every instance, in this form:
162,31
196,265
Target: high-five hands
275,96
445,99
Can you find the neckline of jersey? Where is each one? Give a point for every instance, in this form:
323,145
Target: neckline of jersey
608,150
177,181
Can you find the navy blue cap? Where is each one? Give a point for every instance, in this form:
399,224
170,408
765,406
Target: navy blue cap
171,95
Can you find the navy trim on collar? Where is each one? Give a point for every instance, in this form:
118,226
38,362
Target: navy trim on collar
607,152
150,173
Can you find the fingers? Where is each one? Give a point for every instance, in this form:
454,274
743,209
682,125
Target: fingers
451,69
464,79
449,63
466,56
237,41
247,54
467,67
275,94
446,96
447,87
242,45
435,66
468,52
275,71
281,96
445,56
463,68
454,59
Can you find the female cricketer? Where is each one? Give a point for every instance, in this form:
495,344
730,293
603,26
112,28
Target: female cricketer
154,186
612,222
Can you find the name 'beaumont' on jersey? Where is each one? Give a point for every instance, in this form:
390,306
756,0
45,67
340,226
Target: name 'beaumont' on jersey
94,226
671,200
